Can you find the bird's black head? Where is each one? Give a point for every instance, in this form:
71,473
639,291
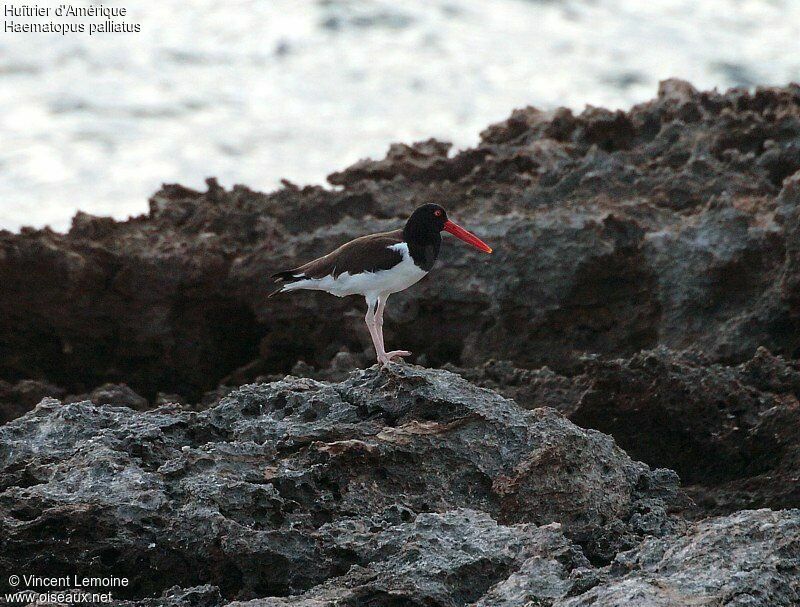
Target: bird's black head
425,223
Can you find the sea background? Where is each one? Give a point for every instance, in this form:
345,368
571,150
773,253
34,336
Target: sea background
255,91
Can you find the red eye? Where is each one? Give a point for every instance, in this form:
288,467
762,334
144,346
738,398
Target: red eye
437,213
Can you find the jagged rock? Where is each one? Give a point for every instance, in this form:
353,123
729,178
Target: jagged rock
281,487
424,161
454,558
197,596
531,388
749,559
119,395
16,399
25,395
672,224
731,432
212,397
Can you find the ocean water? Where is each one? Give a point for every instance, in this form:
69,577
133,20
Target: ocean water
252,91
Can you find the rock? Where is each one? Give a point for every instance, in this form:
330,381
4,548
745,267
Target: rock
212,397
282,487
119,395
16,399
531,388
342,363
197,596
163,398
673,224
751,558
731,432
454,558
423,161
555,569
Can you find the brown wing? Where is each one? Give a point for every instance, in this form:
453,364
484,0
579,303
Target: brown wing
366,254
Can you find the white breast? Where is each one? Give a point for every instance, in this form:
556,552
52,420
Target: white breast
369,284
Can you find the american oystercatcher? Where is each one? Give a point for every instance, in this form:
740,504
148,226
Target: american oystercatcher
378,265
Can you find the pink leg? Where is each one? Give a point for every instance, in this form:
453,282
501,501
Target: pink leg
372,325
387,356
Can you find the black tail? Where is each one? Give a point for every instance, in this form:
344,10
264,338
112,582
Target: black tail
283,278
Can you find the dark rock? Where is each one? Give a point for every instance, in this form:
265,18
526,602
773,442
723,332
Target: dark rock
734,431
339,367
531,388
163,398
119,395
749,559
198,596
731,432
424,160
212,397
281,487
455,558
16,399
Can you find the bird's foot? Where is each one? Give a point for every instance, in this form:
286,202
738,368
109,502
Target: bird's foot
387,357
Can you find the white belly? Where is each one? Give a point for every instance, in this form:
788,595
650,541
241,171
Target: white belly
368,284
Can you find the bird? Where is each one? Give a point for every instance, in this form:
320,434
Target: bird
377,265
